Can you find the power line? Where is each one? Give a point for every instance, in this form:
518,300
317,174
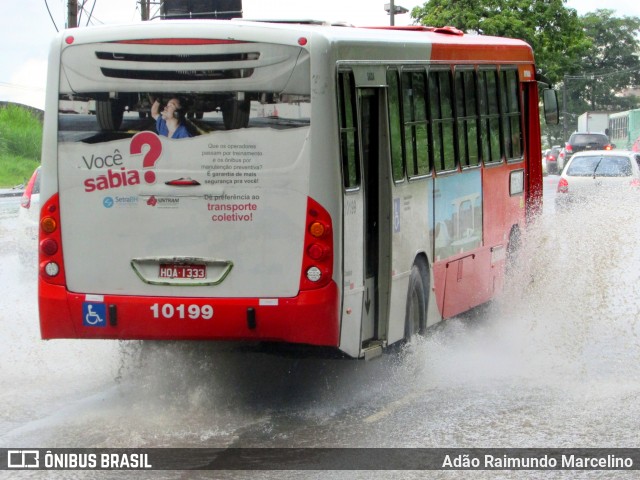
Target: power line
21,87
91,12
79,19
90,18
51,16
602,75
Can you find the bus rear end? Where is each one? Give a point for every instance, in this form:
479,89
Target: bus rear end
207,235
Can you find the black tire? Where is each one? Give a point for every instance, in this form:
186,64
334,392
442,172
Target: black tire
416,315
109,114
235,114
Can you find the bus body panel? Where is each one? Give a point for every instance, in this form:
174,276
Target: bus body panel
353,273
503,209
187,318
246,211
119,229
411,236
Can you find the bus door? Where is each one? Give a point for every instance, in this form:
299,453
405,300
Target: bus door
367,214
369,121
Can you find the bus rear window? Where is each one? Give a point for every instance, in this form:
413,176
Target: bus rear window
208,83
106,116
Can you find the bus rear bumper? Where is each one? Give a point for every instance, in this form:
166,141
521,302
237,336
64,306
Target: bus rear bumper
312,317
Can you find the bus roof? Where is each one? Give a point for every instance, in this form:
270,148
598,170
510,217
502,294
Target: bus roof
445,43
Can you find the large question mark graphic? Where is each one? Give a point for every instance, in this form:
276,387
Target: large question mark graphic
153,153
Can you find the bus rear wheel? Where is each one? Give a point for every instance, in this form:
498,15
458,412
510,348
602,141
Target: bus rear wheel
416,316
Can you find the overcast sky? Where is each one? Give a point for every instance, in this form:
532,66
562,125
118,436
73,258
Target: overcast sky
26,29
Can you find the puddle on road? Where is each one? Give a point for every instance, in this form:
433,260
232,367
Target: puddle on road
562,341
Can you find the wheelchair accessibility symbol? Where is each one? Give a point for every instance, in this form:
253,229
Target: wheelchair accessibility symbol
94,314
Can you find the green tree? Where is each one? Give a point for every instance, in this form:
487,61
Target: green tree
592,58
609,67
553,31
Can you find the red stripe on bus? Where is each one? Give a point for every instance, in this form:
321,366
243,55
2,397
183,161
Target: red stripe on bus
460,52
179,41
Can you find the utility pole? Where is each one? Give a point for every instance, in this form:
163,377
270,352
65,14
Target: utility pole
72,13
392,12
145,7
565,112
392,9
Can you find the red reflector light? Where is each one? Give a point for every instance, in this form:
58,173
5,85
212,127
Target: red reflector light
302,41
315,251
69,40
49,247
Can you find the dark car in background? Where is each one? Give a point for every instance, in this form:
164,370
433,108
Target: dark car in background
579,142
552,159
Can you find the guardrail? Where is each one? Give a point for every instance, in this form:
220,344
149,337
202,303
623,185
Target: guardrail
10,192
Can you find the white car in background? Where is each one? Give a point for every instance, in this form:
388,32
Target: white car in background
591,174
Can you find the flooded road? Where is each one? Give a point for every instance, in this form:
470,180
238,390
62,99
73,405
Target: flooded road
553,363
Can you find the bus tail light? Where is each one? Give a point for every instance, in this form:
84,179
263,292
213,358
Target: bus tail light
563,186
635,182
317,261
50,244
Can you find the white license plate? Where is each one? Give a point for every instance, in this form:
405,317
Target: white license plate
168,270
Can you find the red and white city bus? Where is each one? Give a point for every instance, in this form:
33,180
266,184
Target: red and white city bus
340,187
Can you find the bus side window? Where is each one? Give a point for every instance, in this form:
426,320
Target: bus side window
467,118
414,110
441,102
395,126
510,114
489,115
348,130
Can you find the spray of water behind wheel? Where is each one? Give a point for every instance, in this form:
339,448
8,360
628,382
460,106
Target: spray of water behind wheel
568,314
569,311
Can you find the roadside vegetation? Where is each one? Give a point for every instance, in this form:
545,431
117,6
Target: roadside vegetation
20,144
